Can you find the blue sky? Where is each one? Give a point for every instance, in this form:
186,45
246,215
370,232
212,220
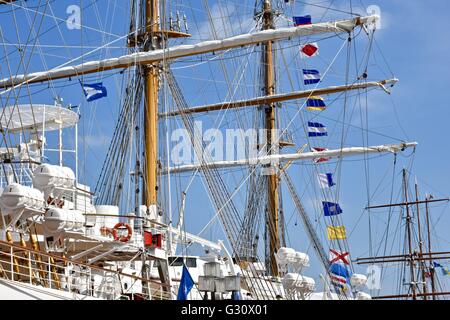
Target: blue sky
412,39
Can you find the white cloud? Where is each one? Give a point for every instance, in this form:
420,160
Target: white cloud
97,140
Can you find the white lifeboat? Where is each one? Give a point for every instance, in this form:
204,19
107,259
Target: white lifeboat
363,296
57,220
47,176
301,260
292,280
285,255
308,284
17,199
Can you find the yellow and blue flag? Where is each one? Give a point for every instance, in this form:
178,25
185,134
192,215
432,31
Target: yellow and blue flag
315,104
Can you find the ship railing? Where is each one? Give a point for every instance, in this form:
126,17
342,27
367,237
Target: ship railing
136,224
37,268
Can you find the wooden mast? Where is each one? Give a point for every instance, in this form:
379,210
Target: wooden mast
279,97
271,140
151,108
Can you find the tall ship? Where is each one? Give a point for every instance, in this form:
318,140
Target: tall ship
192,150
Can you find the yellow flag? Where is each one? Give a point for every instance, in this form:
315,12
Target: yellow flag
336,233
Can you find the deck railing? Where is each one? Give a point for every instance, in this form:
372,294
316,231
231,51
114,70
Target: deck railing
46,270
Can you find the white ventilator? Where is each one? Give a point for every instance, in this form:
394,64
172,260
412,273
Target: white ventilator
358,280
107,216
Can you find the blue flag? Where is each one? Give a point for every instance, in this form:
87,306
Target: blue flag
94,91
301,21
340,270
331,209
236,295
186,284
339,274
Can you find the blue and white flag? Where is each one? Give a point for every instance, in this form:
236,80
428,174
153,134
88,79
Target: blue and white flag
186,284
311,76
331,209
316,129
94,91
325,180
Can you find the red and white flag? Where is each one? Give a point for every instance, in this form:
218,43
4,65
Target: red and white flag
319,160
309,50
339,257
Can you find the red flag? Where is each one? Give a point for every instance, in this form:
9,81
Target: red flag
319,160
309,50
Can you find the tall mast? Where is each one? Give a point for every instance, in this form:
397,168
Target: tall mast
433,285
151,107
421,263
409,233
273,182
410,257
